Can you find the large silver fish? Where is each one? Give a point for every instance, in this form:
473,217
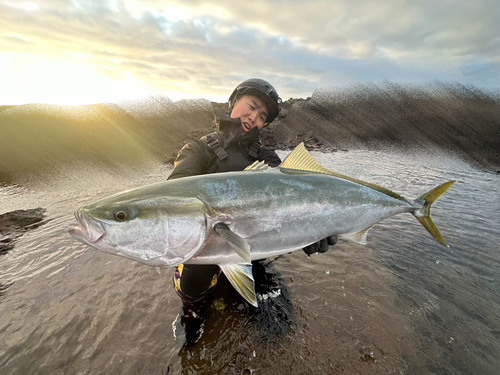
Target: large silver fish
230,219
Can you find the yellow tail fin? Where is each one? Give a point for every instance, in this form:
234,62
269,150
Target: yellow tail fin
424,214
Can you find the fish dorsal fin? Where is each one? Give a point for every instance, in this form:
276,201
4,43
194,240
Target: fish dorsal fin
239,244
241,278
359,237
257,166
300,161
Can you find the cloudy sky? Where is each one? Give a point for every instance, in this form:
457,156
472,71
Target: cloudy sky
84,51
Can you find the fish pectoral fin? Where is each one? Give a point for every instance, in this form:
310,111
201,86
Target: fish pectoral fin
239,244
240,276
359,237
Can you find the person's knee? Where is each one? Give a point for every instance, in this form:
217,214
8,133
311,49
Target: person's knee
194,282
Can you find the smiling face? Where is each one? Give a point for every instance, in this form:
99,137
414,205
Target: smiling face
252,111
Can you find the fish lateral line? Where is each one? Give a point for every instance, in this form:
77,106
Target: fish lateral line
192,218
300,161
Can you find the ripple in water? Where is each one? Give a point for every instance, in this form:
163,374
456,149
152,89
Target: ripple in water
401,304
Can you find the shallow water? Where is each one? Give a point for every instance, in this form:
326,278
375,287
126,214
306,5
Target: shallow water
403,304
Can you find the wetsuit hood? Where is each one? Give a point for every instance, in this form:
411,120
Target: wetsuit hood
231,130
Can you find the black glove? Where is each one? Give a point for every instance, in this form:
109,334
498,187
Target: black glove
320,246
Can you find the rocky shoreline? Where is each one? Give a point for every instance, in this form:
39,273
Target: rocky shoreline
447,117
268,138
461,120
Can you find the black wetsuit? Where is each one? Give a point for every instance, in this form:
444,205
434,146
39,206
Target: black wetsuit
226,150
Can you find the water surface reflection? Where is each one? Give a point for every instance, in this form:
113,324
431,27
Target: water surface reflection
401,304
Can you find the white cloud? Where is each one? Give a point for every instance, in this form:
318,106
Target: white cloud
199,48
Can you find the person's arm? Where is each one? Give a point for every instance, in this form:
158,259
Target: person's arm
269,156
192,160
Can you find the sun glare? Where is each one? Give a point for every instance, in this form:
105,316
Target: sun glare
35,79
136,8
28,5
176,13
32,79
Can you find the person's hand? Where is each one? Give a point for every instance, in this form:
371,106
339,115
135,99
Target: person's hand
320,246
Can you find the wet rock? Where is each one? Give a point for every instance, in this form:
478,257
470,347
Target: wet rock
20,219
14,224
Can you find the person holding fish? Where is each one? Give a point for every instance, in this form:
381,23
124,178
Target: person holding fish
227,220
253,105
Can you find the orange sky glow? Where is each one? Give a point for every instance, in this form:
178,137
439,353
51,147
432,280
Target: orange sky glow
89,51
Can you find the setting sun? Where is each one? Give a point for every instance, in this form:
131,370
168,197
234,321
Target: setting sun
31,78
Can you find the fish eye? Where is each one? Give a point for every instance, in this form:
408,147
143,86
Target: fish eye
121,215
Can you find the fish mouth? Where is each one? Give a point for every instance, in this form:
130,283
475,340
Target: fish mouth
90,231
